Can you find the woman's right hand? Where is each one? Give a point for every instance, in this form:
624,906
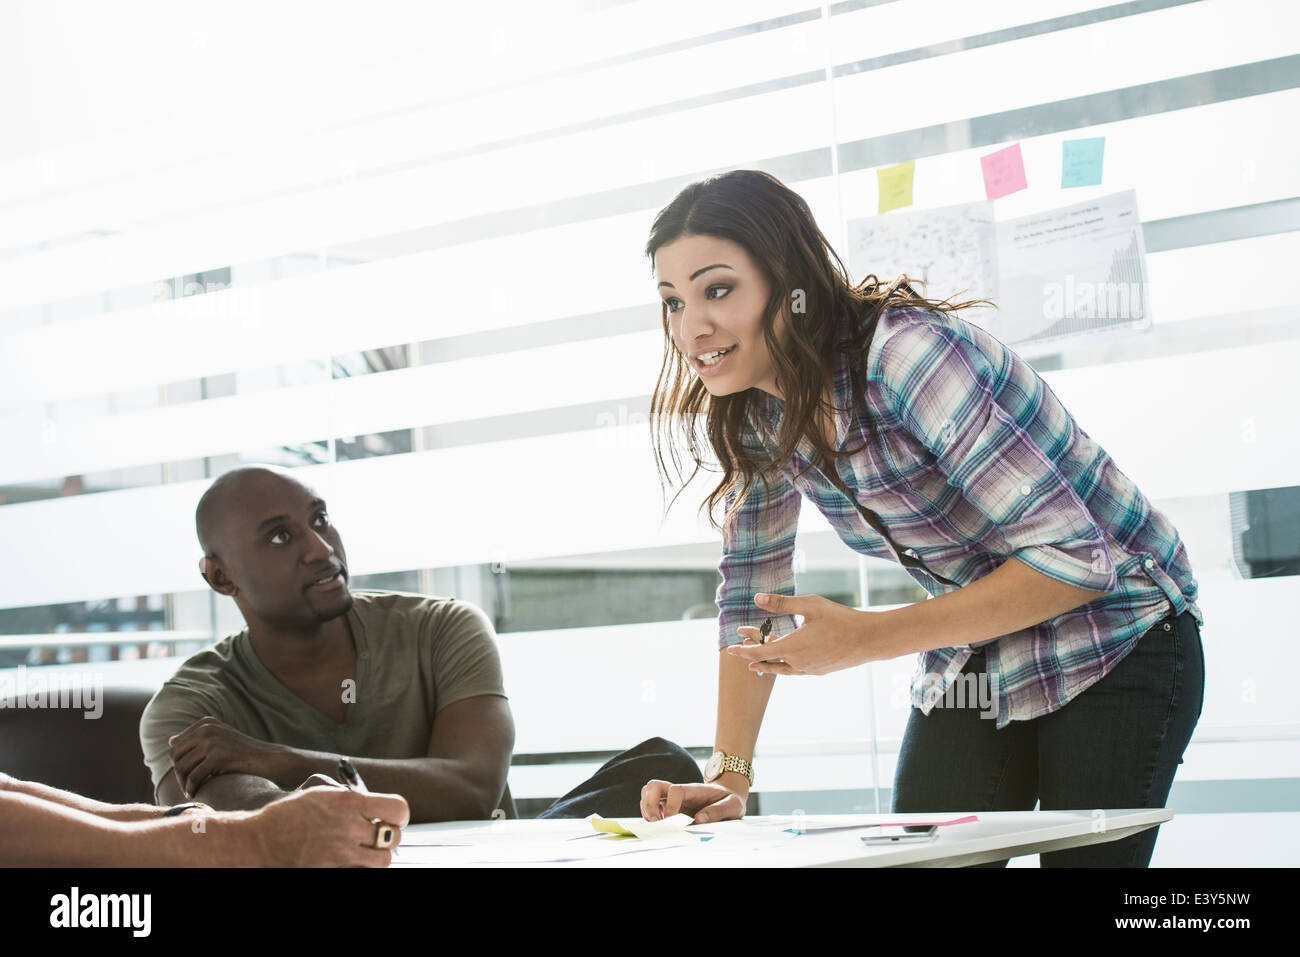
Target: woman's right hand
326,827
704,802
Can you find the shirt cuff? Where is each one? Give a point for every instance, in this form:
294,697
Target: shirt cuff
1088,567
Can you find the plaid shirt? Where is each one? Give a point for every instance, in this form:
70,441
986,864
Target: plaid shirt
974,461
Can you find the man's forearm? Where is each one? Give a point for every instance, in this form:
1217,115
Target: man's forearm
436,789
1008,599
233,792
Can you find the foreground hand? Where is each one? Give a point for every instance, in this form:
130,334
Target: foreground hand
208,747
704,802
327,827
831,638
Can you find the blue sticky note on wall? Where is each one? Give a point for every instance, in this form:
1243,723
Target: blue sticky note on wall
1081,162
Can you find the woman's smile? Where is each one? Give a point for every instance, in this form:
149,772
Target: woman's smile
711,363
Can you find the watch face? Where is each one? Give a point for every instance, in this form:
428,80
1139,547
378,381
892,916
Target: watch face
714,767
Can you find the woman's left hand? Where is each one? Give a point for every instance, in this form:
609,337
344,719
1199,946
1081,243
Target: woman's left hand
831,638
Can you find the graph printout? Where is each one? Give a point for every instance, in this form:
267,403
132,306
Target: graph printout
1075,271
1054,276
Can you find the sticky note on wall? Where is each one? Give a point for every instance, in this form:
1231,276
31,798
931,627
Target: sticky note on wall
1004,172
1081,162
895,184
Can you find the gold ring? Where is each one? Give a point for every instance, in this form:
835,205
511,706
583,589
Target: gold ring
385,835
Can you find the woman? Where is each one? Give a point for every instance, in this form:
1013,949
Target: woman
1064,600
323,825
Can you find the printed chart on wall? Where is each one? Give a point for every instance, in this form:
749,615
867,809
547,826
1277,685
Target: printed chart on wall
1055,276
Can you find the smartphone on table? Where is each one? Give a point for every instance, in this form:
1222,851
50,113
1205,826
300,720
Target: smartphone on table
900,833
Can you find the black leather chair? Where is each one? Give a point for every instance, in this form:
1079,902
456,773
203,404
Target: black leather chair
98,757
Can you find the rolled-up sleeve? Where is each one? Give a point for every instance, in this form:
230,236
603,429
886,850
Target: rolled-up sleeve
990,424
757,557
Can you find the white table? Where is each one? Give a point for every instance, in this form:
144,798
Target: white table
765,841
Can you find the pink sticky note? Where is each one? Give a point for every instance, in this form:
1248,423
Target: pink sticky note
1004,172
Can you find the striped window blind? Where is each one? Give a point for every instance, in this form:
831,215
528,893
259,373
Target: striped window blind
402,257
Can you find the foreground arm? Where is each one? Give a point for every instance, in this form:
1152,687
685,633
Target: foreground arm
320,827
114,812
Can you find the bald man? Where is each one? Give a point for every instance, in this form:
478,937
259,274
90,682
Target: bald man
408,686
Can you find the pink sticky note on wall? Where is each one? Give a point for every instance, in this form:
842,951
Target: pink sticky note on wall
1004,172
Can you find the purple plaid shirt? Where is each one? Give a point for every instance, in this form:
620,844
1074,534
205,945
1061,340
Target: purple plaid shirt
974,461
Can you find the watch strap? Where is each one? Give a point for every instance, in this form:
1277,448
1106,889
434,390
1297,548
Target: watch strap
731,762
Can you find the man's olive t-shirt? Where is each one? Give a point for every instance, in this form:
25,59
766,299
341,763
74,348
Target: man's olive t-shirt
416,654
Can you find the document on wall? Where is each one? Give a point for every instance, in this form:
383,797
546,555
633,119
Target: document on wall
1071,272
953,250
1055,277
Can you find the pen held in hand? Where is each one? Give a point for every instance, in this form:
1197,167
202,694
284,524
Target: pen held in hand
349,776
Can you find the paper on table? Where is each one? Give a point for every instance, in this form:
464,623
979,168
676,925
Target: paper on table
555,853
637,827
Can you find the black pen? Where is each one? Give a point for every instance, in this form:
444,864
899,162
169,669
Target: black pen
348,775
383,830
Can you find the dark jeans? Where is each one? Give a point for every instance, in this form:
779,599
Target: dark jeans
615,790
1117,745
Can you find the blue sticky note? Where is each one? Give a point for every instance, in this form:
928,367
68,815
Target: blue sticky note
1081,162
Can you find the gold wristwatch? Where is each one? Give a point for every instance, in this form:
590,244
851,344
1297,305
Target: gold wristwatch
720,761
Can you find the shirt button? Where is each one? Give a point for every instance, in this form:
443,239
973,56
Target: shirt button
1025,490
1149,563
910,551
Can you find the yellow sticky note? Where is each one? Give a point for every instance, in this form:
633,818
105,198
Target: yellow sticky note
609,827
895,183
643,829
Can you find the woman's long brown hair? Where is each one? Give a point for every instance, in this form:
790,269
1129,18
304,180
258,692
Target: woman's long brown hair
776,228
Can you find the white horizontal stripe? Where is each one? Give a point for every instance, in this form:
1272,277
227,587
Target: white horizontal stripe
471,287
512,382
81,639
550,495
1181,283
889,27
1202,423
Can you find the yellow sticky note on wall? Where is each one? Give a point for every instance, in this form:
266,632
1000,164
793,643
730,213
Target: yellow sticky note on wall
895,184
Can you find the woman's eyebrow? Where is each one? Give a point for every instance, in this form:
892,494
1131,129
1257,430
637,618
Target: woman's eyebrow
697,272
